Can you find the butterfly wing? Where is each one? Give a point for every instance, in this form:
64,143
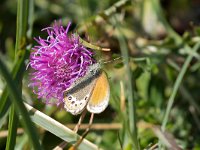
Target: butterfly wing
76,98
99,98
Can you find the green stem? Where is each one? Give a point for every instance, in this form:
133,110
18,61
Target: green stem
19,51
131,103
22,19
177,85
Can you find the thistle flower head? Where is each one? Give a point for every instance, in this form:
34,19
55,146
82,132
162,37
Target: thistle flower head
58,61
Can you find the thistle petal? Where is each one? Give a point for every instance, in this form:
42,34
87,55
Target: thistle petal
58,61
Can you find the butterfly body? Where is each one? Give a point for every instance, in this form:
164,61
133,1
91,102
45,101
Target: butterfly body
90,91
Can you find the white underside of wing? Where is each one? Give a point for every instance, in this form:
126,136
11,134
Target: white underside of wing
74,106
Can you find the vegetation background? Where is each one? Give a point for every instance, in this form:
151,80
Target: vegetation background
154,89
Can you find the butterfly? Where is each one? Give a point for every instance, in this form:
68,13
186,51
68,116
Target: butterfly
91,91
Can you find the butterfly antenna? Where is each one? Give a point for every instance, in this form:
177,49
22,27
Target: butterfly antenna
109,61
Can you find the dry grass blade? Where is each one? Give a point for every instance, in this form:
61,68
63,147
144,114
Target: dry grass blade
122,97
167,139
98,126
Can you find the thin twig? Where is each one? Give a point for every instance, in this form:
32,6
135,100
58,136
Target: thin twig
98,126
154,147
103,15
5,132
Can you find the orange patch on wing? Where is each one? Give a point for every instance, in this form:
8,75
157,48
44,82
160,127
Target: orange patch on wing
100,90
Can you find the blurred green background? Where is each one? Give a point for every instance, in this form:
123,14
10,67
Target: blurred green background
155,39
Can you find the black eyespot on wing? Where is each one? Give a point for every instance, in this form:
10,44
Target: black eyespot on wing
69,97
72,102
86,98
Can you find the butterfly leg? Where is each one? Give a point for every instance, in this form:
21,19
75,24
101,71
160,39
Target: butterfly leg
64,143
84,134
80,121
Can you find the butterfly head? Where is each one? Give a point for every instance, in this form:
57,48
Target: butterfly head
94,69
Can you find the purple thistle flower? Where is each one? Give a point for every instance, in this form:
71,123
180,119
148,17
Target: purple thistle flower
58,61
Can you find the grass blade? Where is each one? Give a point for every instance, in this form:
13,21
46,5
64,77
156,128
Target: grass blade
131,103
57,128
17,73
5,104
22,17
18,102
13,122
20,54
3,119
177,85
